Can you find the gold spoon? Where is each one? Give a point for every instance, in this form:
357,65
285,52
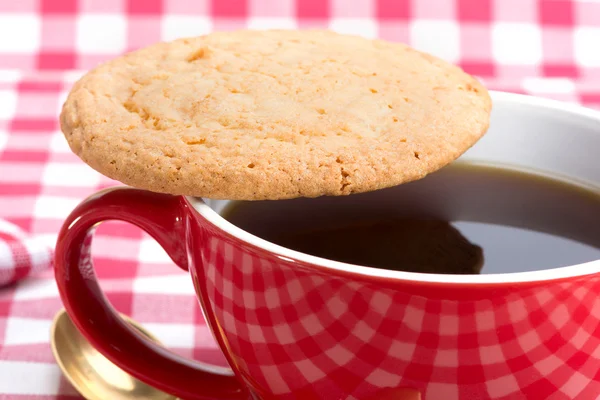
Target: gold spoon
94,376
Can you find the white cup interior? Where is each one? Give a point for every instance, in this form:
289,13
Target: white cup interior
553,138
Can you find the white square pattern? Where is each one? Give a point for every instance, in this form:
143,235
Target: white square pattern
6,257
173,335
152,253
502,386
8,100
16,378
101,33
179,26
354,26
255,333
339,354
517,43
274,379
179,284
19,33
36,289
440,38
380,303
70,175
402,350
21,331
3,137
446,358
284,334
491,355
587,46
311,324
548,85
309,370
272,23
58,143
54,206
382,378
442,391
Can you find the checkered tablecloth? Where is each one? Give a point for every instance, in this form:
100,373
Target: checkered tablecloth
548,48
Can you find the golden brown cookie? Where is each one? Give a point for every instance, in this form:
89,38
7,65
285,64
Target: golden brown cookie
273,115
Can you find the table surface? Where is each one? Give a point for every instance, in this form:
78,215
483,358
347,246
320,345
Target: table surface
545,48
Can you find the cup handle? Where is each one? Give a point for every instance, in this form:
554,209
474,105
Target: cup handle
164,218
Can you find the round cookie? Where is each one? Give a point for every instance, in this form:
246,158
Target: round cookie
251,115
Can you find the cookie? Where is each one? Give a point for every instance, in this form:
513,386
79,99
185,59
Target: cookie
251,115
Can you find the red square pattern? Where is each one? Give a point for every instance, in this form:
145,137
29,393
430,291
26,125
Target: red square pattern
556,12
474,11
561,70
56,60
39,86
122,301
393,9
144,7
110,268
229,8
312,9
58,6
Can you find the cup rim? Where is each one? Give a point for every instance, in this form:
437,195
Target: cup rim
292,256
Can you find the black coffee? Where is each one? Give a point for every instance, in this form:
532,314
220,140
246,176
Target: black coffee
462,219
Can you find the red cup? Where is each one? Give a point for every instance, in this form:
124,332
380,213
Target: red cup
294,326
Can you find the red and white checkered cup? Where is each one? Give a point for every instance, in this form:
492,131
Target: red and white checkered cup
294,326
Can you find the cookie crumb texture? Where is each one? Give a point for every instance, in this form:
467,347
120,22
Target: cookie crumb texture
251,115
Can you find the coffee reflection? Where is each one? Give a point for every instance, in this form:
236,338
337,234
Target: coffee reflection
406,245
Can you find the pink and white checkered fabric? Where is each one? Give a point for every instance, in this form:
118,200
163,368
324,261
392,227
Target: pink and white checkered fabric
20,255
542,47
491,38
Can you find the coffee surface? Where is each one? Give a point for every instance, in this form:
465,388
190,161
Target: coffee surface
462,219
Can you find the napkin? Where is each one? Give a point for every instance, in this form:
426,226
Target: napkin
20,254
